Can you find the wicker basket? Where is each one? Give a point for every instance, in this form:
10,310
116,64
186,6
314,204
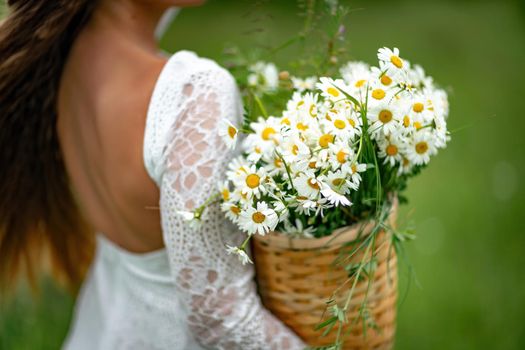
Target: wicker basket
297,276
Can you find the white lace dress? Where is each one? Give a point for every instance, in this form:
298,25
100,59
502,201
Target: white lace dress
191,294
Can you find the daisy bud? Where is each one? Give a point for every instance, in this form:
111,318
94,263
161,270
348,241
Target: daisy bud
284,75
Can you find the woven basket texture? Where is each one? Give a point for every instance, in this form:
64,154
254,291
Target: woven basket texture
297,276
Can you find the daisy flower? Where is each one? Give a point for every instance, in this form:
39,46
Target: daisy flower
416,77
383,117
231,210
421,109
293,150
342,123
341,154
356,74
420,148
308,207
241,254
298,229
338,181
334,197
440,103
264,77
237,169
266,136
441,135
308,106
304,84
382,79
260,219
228,132
251,183
273,165
224,190
390,148
191,218
307,185
331,89
354,171
390,62
405,167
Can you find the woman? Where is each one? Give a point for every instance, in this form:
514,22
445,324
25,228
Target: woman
99,133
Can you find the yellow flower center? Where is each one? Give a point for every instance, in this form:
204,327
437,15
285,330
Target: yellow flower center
417,125
333,91
338,182
300,103
278,162
235,209
396,61
325,140
313,111
418,107
354,168
295,150
253,180
406,121
341,157
421,147
258,217
391,150
285,121
312,165
225,194
313,184
351,122
386,80
302,127
232,131
406,162
385,116
378,94
360,83
340,124
267,133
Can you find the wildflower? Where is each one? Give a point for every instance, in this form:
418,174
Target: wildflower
420,148
228,132
241,254
192,218
390,62
259,219
304,84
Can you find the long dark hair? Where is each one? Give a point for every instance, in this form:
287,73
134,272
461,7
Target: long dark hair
38,215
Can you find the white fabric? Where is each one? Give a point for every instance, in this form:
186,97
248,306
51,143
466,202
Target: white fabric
190,295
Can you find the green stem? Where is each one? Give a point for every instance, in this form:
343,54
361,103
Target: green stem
287,168
245,242
260,105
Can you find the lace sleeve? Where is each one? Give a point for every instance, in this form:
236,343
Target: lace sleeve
224,310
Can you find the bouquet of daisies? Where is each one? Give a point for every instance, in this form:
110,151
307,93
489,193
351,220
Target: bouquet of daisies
322,161
336,150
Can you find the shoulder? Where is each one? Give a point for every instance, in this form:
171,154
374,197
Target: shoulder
192,94
198,73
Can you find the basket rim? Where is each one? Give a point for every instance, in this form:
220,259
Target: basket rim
339,236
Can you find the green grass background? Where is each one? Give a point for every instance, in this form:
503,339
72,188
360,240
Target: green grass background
466,205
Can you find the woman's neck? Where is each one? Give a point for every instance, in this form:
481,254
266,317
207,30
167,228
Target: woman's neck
129,21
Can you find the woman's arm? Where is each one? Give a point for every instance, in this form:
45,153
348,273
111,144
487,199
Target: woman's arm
224,310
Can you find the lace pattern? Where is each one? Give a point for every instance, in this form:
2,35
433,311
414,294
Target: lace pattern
223,308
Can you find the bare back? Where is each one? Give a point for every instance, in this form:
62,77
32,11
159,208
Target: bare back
102,106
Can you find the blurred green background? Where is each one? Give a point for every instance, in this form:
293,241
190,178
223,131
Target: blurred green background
467,205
